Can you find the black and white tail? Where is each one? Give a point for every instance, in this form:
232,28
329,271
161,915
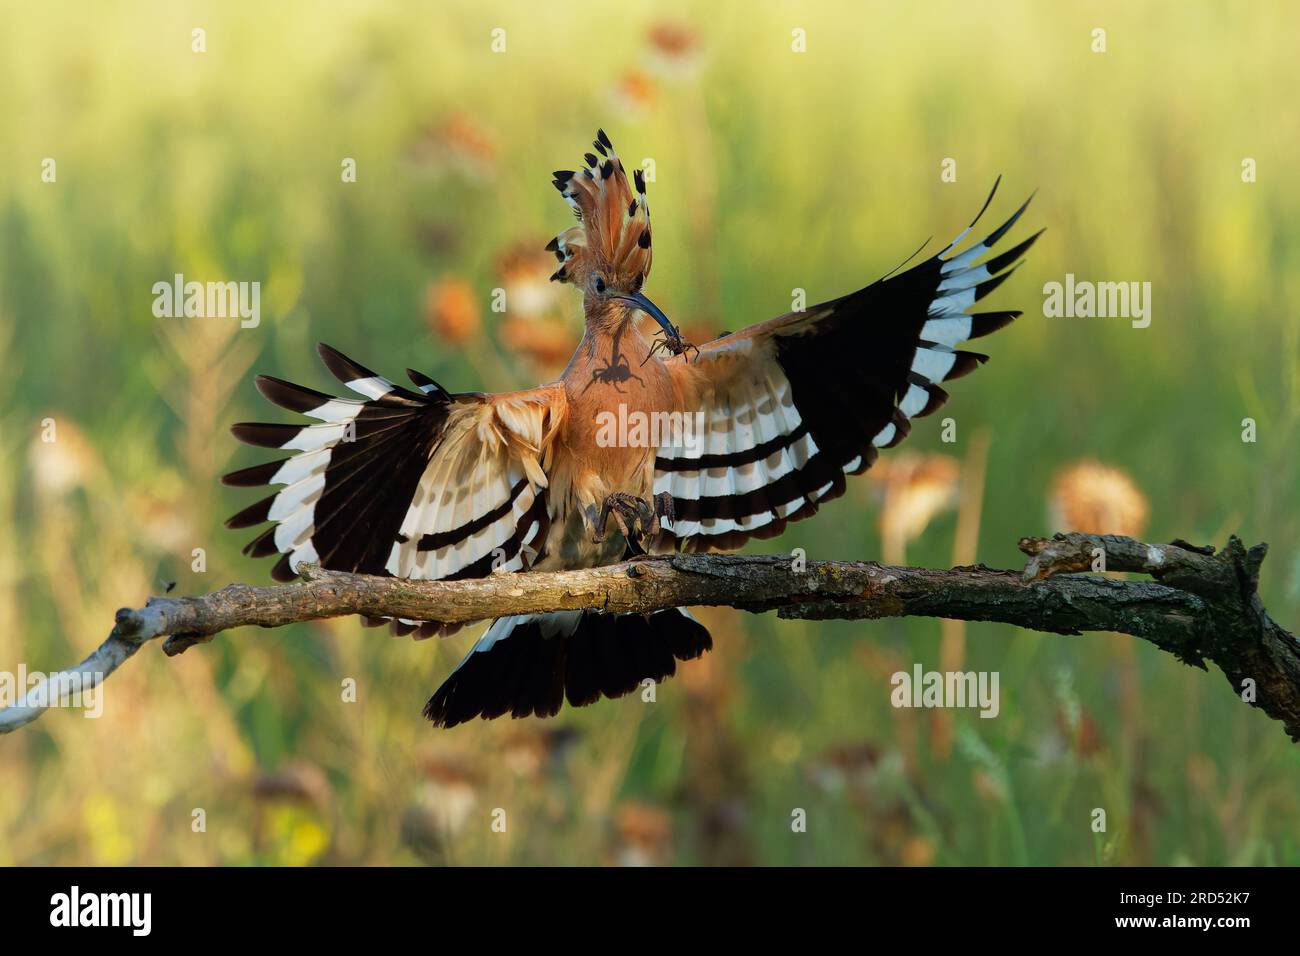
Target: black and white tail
529,664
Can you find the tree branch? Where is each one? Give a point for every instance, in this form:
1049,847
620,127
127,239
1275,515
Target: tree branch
1200,607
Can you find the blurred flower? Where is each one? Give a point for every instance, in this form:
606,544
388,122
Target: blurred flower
709,680
525,270
290,818
529,749
536,326
163,526
455,145
62,464
547,344
915,488
635,93
850,767
298,782
441,809
644,835
917,851
450,790
674,50
423,833
1082,733
1093,498
451,310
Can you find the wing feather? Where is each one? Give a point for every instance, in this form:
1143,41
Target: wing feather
414,484
794,404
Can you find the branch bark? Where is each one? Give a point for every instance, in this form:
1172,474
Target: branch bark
1201,606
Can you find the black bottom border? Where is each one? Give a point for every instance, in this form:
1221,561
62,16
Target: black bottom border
332,906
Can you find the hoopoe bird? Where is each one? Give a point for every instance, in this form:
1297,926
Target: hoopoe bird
423,484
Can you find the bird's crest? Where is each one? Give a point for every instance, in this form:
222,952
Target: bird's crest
612,237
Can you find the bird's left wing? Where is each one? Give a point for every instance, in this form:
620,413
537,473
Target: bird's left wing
792,405
415,484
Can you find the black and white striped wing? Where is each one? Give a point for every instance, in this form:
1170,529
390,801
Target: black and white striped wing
416,484
793,405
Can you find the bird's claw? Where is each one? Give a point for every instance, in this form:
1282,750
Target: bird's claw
636,518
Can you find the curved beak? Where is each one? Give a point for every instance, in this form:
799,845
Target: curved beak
639,300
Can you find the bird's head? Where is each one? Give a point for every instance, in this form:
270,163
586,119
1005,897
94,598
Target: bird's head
607,254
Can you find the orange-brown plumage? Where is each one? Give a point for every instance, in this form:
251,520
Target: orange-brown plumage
612,238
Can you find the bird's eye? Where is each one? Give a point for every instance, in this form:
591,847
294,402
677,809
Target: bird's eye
600,284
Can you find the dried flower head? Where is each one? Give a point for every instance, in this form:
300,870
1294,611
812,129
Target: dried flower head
525,272
915,489
451,310
635,93
644,835
457,145
674,50
1093,498
546,343
61,458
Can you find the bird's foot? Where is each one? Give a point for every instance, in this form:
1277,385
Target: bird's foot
630,513
663,507
636,518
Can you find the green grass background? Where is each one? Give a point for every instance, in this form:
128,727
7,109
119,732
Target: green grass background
775,170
